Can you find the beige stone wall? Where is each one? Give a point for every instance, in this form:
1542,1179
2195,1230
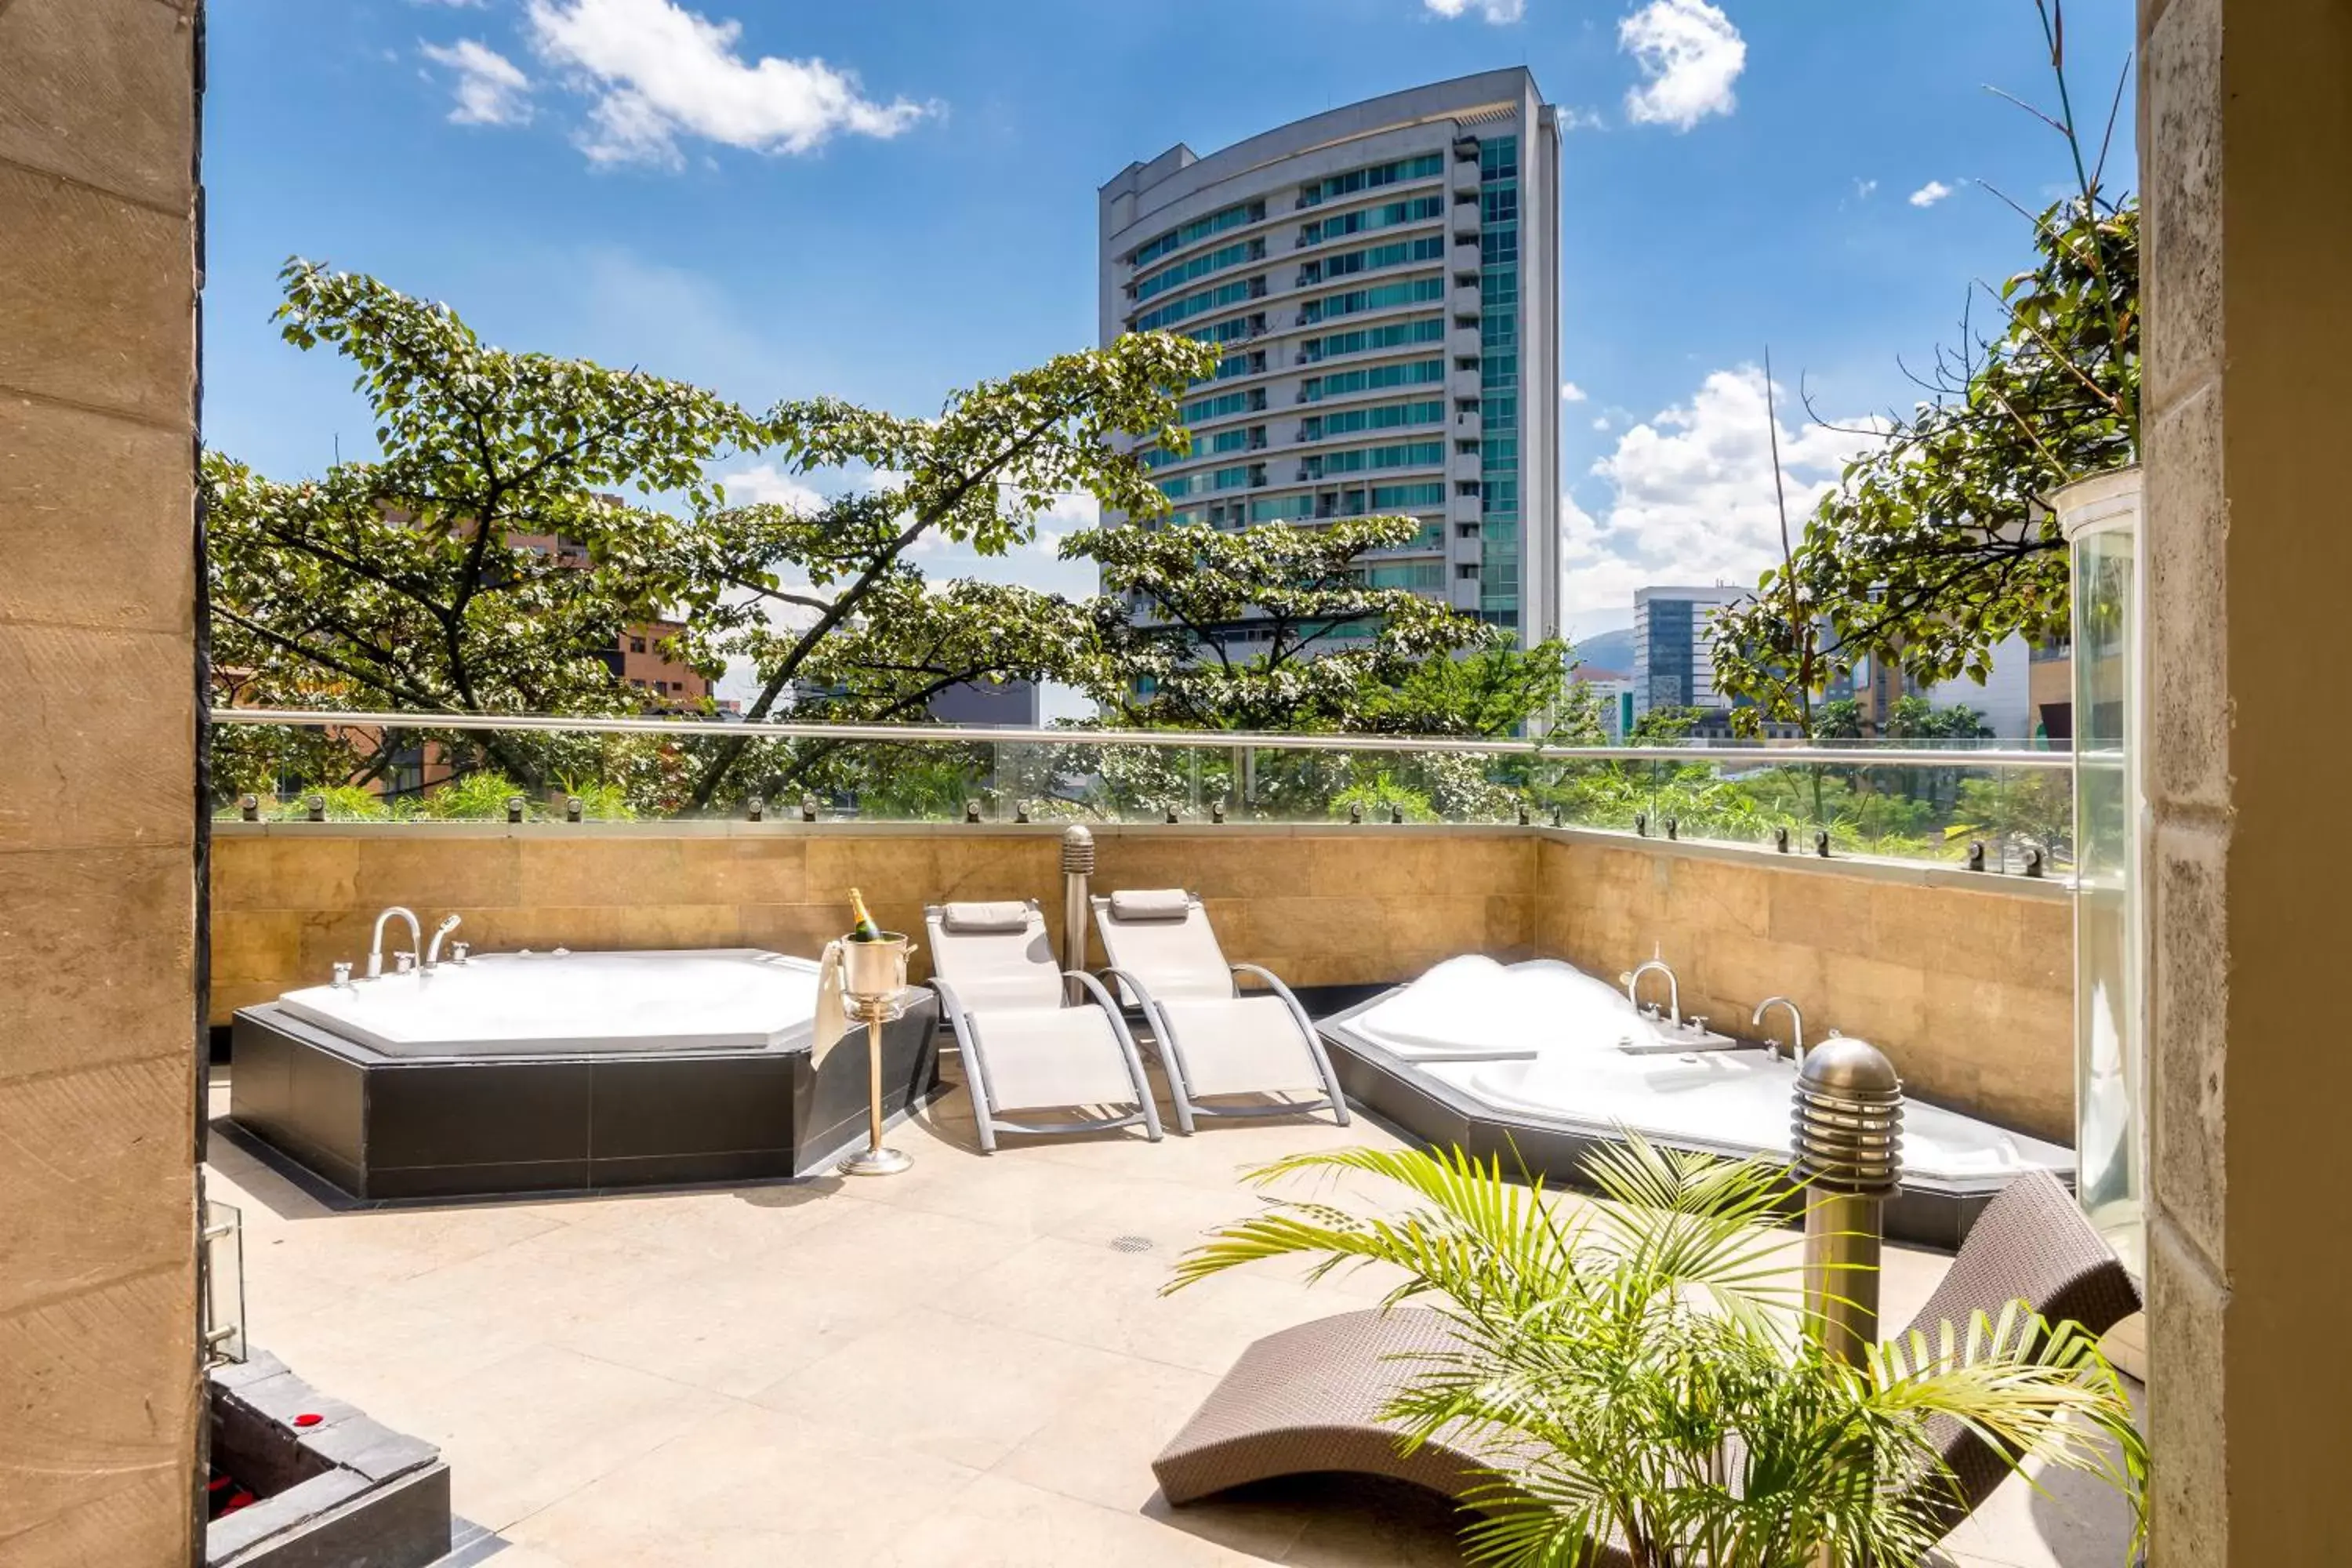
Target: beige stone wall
1964,981
2245,153
97,1360
290,899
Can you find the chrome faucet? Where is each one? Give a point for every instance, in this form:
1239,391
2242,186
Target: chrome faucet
1796,1025
433,953
375,944
1632,981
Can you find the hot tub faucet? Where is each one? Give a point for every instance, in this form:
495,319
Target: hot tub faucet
1796,1025
433,953
375,944
1673,989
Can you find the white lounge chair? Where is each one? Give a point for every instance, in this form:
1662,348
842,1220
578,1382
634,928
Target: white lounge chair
1213,1039
1022,1049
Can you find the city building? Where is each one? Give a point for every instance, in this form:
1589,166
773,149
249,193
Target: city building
669,682
999,702
1383,281
1674,647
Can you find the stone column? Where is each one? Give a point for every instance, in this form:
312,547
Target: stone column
2246,157
99,1379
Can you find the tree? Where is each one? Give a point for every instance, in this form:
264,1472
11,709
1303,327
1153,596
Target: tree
1938,542
479,565
482,563
1320,648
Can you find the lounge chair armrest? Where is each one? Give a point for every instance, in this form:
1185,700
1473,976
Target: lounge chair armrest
1126,978
950,1003
1095,989
1273,981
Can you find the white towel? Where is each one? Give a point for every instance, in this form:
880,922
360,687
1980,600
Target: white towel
832,1017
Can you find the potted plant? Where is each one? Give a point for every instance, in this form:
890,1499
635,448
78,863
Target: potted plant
1646,1367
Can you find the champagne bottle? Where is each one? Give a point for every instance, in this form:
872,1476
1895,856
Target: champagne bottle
864,929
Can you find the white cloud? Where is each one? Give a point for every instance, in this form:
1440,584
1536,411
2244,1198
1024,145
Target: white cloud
491,89
1690,495
1495,11
1581,120
660,72
1690,54
1600,422
1571,393
764,484
1863,189
1928,195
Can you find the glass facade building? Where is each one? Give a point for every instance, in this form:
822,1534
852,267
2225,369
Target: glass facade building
1383,281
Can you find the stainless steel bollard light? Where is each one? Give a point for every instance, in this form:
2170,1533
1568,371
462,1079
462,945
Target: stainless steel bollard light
1847,1123
1077,867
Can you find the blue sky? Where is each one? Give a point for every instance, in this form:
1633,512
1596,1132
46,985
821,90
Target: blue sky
886,199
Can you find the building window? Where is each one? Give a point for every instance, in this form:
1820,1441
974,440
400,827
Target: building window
636,644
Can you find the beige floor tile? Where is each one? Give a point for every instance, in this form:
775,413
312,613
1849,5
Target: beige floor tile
295,1268
1094,1296
999,1523
749,1488
539,1425
954,1388
387,1357
1010,1189
733,1329
1098,1446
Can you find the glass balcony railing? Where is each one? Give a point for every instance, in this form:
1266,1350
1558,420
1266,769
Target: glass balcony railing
1961,805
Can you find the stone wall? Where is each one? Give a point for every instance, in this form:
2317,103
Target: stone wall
99,1386
1963,979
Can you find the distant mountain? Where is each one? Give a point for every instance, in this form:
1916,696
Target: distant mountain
1608,650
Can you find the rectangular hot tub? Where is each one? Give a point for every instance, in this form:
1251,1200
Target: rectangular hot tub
534,1073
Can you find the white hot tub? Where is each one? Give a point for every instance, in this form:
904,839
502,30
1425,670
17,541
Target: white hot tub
570,1004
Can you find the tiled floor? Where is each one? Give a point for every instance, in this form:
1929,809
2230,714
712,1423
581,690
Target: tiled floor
953,1366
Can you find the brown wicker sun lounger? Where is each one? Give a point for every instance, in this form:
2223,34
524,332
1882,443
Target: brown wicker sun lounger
1308,1399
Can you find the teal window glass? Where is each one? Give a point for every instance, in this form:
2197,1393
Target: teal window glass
1152,249
1420,209
1200,266
1195,304
1411,291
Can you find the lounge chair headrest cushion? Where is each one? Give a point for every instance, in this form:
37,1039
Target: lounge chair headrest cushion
1007,915
1150,904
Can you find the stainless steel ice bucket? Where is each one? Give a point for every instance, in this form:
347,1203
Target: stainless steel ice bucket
874,971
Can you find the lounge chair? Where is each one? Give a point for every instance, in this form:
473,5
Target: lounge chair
1308,1399
1024,1048
1214,1041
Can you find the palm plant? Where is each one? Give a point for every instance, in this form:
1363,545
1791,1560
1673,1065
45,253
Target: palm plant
1641,1372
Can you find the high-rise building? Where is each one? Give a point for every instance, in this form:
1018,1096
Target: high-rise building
1383,282
1673,649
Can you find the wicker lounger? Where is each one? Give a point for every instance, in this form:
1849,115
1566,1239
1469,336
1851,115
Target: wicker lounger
1308,1399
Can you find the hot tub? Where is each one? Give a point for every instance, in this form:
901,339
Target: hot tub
1540,1063
537,1072
506,1004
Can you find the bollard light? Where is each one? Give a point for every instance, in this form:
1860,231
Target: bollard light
1846,1126
1642,823
808,808
315,807
1821,842
572,809
1780,839
1216,811
1355,814
1673,828
756,807
1077,866
1396,814
1523,814
248,806
1560,817
1172,818
515,805
2033,861
1020,811
1975,855
971,811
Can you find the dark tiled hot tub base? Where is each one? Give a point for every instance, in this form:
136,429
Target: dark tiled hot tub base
382,1126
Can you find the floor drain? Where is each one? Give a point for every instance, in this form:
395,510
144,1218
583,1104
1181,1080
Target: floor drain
1130,1244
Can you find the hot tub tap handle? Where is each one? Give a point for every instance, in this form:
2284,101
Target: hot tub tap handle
458,950
342,977
1697,1021
403,962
